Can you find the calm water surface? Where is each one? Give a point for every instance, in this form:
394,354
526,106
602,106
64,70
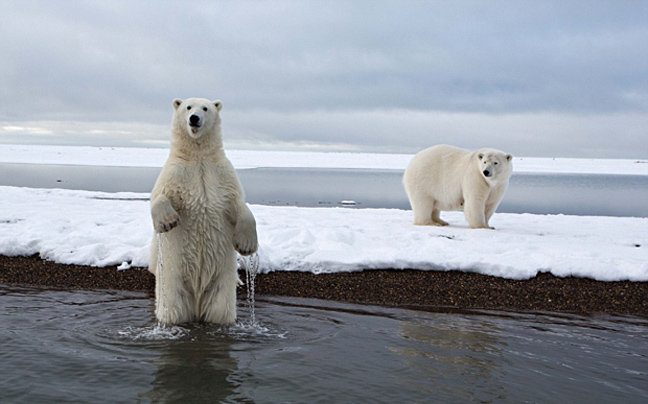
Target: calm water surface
99,346
572,194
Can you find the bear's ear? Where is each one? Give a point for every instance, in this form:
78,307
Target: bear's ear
218,104
176,103
508,157
480,156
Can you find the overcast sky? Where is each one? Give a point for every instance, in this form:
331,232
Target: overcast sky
539,78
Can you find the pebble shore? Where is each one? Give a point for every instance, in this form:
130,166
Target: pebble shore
422,290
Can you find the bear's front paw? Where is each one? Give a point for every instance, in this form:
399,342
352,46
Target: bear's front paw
245,235
245,246
169,221
245,240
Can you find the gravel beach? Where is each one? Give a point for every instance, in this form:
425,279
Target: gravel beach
423,290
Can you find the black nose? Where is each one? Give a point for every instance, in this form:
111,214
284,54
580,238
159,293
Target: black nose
194,119
487,173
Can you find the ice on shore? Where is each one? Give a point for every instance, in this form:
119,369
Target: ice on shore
104,229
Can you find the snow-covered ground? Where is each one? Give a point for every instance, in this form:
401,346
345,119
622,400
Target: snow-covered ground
100,229
104,229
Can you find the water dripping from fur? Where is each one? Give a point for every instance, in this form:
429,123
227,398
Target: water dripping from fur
161,239
251,266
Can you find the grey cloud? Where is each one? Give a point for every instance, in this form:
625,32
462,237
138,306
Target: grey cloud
406,131
125,61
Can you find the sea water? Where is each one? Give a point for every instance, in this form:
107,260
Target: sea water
538,193
105,346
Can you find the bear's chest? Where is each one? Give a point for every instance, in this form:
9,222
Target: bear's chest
204,191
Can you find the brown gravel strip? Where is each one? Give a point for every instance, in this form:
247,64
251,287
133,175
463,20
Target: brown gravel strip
38,272
406,288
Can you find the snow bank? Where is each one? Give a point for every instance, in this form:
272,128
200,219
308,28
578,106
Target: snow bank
102,229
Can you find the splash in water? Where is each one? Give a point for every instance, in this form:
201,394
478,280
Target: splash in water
157,332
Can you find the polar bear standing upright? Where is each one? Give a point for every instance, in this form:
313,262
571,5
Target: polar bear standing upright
444,177
201,220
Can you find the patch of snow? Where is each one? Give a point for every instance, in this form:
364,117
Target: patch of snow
103,229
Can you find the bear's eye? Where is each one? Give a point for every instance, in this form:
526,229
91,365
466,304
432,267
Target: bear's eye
205,109
496,163
188,107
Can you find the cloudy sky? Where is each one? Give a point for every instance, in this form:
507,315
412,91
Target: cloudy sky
534,78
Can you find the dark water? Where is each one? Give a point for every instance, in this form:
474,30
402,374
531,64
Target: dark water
99,346
573,194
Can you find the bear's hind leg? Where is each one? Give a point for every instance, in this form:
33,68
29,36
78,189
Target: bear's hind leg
436,218
173,306
424,212
218,304
220,308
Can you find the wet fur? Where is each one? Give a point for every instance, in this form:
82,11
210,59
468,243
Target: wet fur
198,203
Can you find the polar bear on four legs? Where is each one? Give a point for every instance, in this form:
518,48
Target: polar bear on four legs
444,177
198,204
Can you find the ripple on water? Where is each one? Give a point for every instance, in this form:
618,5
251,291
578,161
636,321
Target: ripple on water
74,346
157,332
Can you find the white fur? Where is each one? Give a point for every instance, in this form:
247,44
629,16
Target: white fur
199,204
444,177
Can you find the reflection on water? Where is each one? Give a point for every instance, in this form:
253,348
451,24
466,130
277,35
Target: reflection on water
442,349
193,371
89,178
573,194
78,346
577,194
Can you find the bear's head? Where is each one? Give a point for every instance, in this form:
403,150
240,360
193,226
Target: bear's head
494,164
196,117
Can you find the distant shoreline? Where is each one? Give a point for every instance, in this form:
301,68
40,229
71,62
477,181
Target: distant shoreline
242,159
422,290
